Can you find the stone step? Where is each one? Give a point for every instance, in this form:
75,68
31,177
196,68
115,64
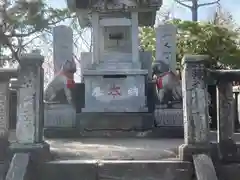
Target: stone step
115,169
228,171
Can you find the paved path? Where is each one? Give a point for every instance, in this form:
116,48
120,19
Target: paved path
121,149
109,148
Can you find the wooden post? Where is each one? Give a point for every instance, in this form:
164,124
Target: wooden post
195,107
225,117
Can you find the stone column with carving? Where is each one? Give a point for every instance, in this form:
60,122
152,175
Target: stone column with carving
225,117
5,75
30,100
195,107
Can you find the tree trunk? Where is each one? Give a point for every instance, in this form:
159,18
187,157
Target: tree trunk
194,10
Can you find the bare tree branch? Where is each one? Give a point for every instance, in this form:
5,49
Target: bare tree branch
210,3
183,4
195,5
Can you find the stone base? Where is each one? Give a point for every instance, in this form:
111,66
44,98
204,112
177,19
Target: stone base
116,134
186,151
228,151
169,117
4,148
115,121
61,132
39,152
167,132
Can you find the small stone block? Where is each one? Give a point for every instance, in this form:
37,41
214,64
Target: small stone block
31,59
194,58
18,167
204,167
39,152
186,151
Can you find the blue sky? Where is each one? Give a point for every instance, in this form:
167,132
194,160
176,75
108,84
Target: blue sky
183,13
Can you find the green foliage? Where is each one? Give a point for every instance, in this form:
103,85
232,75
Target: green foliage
23,21
220,43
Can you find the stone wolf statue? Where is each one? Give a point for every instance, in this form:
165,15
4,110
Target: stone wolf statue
168,84
59,89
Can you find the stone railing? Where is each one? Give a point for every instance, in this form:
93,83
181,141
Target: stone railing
227,147
195,109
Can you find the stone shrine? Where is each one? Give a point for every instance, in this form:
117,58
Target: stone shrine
115,73
115,80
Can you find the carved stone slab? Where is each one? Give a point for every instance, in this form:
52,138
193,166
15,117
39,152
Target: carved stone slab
124,94
169,117
166,45
59,115
25,130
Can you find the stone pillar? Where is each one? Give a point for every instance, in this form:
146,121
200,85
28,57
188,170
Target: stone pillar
95,37
225,117
195,107
62,46
30,100
166,46
135,38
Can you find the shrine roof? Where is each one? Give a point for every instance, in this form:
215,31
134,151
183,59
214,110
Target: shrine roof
147,11
112,5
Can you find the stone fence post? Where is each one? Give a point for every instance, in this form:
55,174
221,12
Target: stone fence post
5,75
225,118
195,107
30,112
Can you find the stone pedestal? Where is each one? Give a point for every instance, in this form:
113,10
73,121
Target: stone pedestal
195,107
115,91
